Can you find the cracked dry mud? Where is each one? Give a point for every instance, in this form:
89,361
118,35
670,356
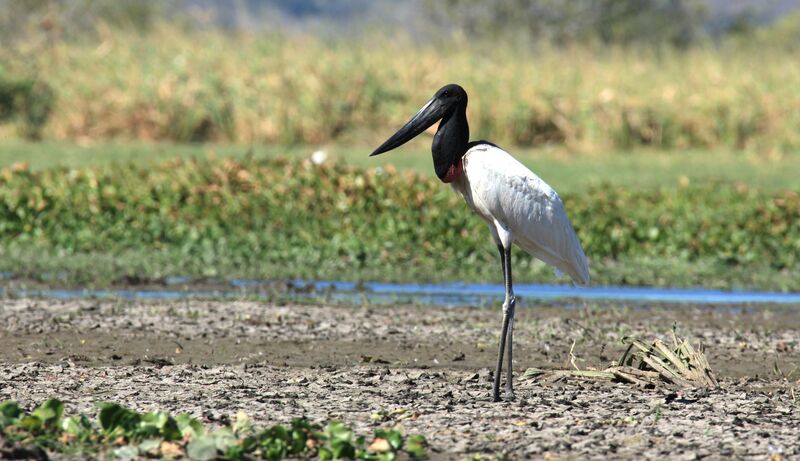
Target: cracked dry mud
425,369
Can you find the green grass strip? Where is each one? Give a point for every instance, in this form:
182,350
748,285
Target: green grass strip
280,218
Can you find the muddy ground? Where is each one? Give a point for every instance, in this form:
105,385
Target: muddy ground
425,369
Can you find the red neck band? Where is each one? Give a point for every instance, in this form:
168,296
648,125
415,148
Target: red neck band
454,172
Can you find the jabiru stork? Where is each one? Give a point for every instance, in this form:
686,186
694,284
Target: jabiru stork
517,205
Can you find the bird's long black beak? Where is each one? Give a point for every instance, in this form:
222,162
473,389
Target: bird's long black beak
431,112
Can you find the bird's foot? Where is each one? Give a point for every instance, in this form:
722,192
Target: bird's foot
508,396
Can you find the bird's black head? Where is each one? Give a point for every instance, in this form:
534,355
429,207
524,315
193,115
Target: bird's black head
451,95
442,105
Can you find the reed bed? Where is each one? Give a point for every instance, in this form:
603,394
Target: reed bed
170,84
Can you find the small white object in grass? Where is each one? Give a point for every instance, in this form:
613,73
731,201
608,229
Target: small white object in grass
319,157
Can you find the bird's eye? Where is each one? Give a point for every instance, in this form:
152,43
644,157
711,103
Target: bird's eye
446,93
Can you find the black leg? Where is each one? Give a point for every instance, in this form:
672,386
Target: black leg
502,252
509,307
509,345
506,333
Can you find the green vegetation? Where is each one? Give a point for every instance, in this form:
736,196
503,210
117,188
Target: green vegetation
279,218
673,23
124,433
566,171
178,85
676,158
26,101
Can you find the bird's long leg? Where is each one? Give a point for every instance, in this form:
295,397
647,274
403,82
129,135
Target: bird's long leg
509,307
508,315
509,369
502,252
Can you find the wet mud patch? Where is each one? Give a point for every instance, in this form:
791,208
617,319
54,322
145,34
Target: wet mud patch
426,369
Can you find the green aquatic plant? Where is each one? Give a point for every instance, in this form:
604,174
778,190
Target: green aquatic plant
280,218
123,432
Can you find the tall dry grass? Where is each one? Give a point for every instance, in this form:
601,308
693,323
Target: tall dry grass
172,85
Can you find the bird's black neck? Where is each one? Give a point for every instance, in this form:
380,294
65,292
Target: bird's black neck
450,142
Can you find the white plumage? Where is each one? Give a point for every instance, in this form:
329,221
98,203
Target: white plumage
519,206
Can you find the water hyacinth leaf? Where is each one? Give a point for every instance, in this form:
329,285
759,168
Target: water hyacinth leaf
188,426
276,442
243,423
159,423
117,420
394,437
235,453
240,451
128,435
302,436
224,438
339,441
126,452
415,446
78,425
359,445
202,448
338,432
150,446
9,413
31,423
273,450
49,413
379,445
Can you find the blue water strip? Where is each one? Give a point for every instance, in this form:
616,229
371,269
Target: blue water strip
443,294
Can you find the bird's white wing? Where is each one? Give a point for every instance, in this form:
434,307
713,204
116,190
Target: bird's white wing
505,192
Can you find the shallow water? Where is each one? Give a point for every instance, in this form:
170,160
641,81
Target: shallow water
443,294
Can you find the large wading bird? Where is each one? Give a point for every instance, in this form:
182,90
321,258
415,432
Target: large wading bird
518,205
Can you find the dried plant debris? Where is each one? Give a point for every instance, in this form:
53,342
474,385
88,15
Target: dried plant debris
679,364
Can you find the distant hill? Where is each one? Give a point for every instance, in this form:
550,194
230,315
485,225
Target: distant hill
303,13
404,13
723,13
